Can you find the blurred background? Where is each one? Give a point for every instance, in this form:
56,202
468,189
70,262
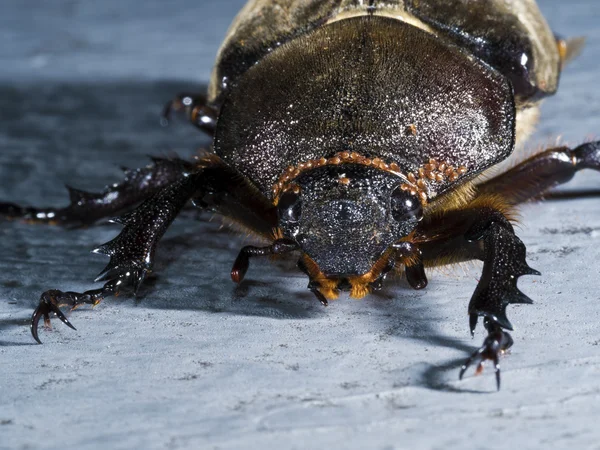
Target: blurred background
113,39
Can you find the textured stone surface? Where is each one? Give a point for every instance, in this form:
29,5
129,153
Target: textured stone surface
196,362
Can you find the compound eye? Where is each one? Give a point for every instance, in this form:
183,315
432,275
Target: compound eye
289,207
406,207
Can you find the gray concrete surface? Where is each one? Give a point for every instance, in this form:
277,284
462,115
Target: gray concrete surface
198,363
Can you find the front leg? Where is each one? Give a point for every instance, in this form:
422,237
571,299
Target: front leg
211,184
482,232
503,264
131,252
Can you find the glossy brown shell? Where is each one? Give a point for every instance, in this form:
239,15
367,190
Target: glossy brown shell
510,35
372,85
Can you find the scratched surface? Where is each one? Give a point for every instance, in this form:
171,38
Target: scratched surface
197,363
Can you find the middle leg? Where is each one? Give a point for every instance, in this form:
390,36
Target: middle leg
86,208
534,176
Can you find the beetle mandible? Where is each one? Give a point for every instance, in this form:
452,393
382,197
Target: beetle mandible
356,135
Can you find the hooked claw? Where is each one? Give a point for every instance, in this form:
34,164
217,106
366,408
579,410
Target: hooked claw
494,345
48,303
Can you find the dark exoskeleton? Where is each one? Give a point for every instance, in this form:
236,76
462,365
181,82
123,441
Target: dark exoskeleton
356,135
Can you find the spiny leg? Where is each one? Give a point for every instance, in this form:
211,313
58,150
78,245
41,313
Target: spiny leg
85,208
196,109
477,231
534,176
503,263
481,232
132,251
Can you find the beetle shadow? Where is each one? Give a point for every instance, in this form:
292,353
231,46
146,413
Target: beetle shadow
216,292
8,323
257,297
249,298
416,323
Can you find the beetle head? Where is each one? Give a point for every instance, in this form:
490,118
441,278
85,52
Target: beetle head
344,217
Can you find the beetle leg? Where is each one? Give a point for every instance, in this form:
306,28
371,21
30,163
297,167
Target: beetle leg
195,108
481,232
52,300
131,252
503,263
486,234
212,184
240,266
86,208
536,175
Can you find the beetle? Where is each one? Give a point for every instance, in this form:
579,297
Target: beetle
358,136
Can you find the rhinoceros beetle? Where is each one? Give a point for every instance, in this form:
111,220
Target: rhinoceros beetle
356,136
